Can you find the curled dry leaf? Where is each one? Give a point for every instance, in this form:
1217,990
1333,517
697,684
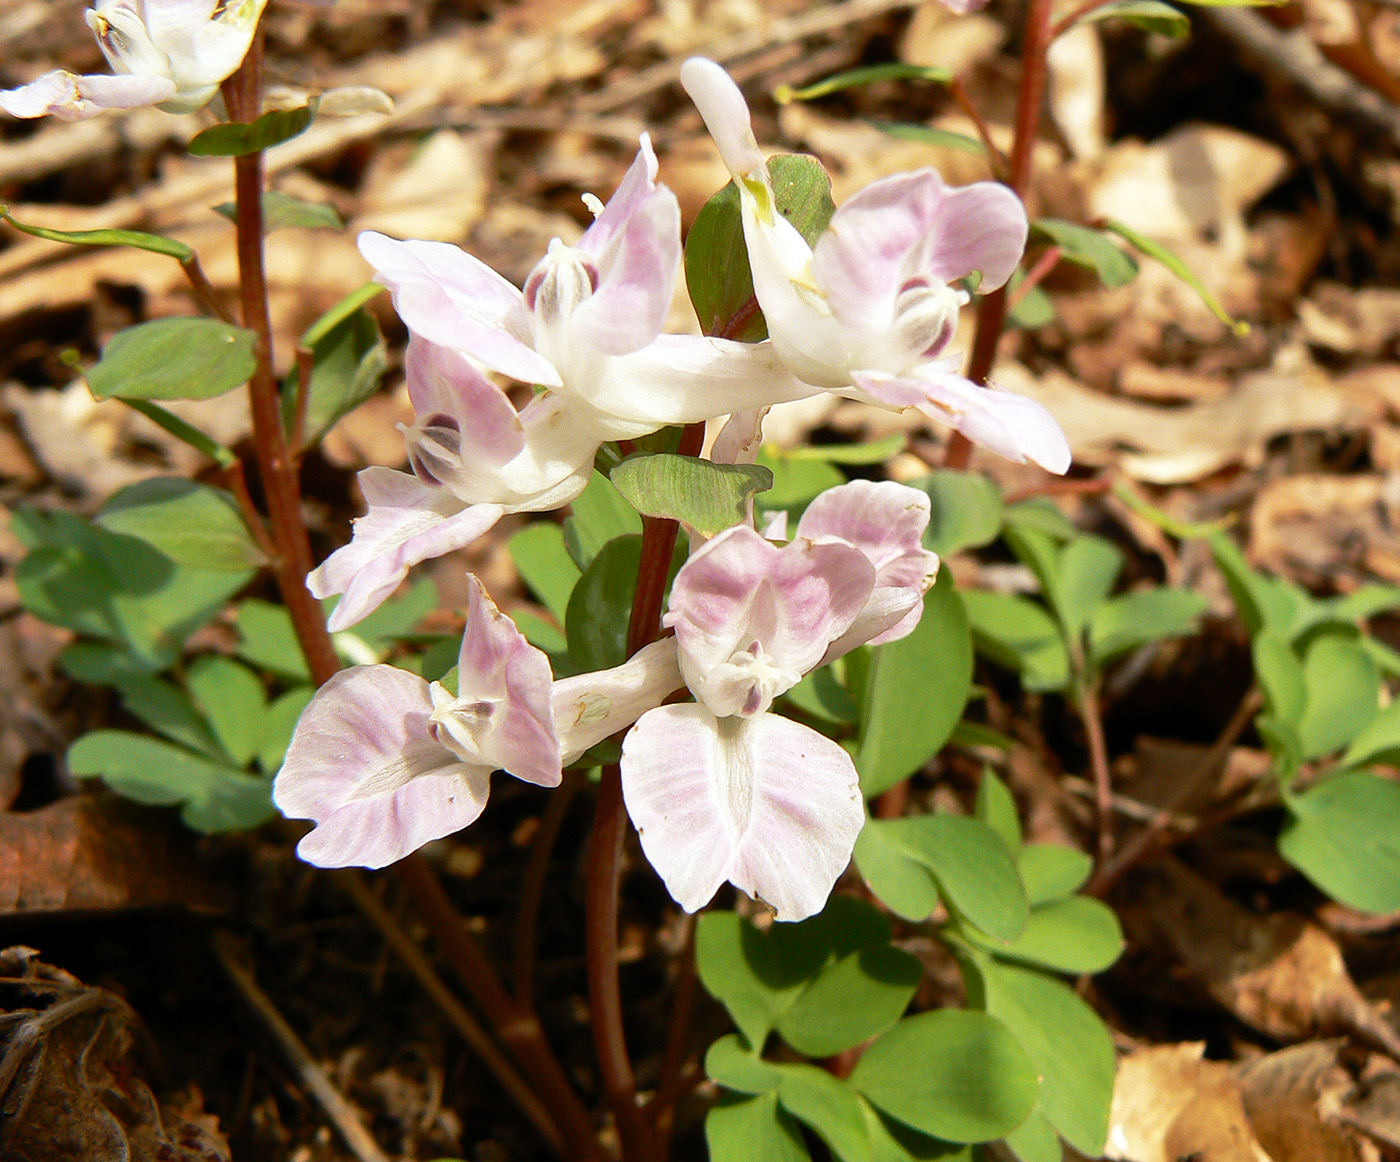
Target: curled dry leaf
1293,1097
70,1084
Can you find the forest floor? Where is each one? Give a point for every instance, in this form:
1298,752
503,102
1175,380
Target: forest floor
1283,193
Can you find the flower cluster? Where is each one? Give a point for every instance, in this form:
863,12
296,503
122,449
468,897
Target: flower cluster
720,788
170,53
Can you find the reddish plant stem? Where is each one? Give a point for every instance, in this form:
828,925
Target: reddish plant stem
1035,276
958,91
991,314
238,485
1091,714
634,1128
517,1028
204,293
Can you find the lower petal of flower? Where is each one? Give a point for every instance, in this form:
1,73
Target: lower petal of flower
767,804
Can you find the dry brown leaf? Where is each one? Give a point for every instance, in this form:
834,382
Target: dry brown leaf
1292,1098
97,853
1075,84
939,38
1170,1104
434,189
1350,321
1278,973
1318,527
1374,1107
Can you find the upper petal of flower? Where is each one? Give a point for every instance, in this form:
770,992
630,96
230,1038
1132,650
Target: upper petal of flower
74,98
751,619
886,522
1009,424
407,522
909,227
726,115
767,804
363,765
590,707
502,714
453,299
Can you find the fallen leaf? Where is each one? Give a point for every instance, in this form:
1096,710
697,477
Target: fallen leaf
1292,1098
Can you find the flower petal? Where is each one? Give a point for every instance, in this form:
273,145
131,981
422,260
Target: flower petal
407,522
444,381
767,804
725,113
590,707
751,619
453,299
502,714
74,98
1009,424
364,767
910,226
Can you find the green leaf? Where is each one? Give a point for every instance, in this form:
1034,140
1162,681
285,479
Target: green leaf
868,75
100,664
1040,514
822,696
284,212
168,710
931,135
1088,247
915,692
997,809
156,243
1035,1140
113,587
956,1075
1051,871
1076,934
1031,309
967,859
342,310
1174,264
1087,570
544,564
851,1000
596,620
741,1129
1262,602
396,618
717,261
268,641
705,496
237,138
1379,741
1343,692
279,723
185,433
190,523
347,365
892,1141
184,358
1234,3
1281,677
873,452
902,883
735,1065
829,1107
1133,619
1345,837
966,510
1066,1042
1365,602
541,634
1017,633
1149,15
213,796
600,514
231,698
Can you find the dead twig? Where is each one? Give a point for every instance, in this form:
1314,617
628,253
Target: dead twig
333,1103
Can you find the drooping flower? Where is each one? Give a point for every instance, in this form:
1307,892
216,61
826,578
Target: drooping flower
723,789
869,311
170,53
384,762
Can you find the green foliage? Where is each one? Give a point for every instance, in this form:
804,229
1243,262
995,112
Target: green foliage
137,239
599,514
797,480
931,135
347,364
1344,835
717,260
914,692
192,524
283,212
1173,262
966,510
183,358
702,495
856,78
237,138
596,620
544,564
1089,248
1148,15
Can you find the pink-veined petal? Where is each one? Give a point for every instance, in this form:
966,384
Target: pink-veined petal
444,381
73,98
682,379
636,187
407,522
751,618
590,707
503,711
638,275
910,226
1009,424
741,437
453,299
363,766
767,804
